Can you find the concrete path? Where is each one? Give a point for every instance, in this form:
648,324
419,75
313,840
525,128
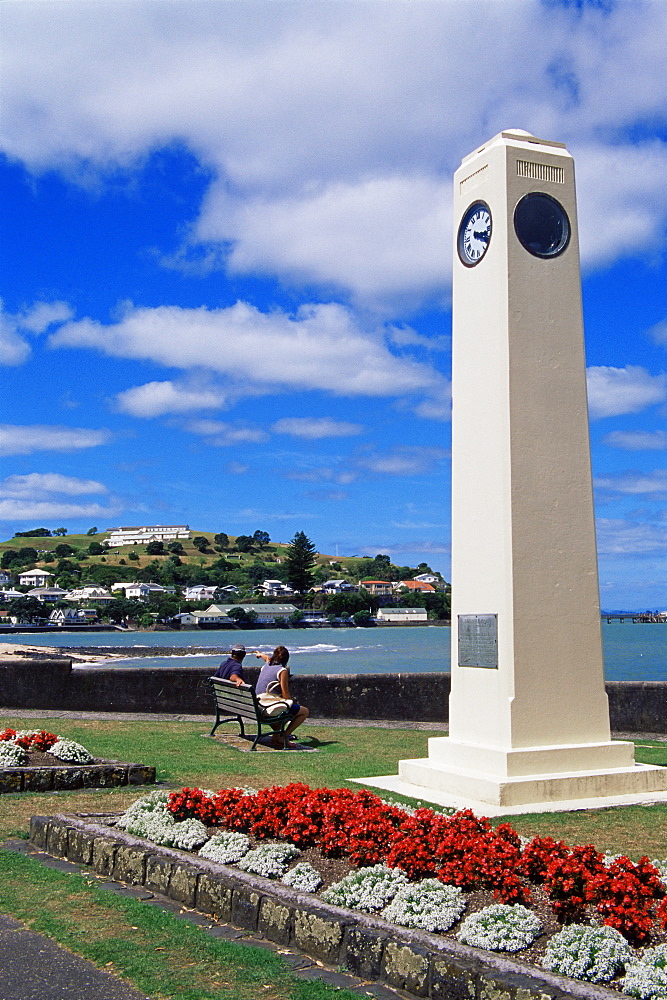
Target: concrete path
32,967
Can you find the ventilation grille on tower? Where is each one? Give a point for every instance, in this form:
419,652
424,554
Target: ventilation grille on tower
540,171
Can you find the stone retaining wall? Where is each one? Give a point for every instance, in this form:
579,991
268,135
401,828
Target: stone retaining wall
423,964
53,683
61,777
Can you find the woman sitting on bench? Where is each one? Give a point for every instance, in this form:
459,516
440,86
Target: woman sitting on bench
274,680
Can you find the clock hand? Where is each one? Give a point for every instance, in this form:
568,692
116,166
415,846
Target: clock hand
483,235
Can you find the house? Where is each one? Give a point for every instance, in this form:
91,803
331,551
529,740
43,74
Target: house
90,592
217,614
48,595
5,578
72,616
415,586
147,533
141,591
338,587
428,578
402,615
35,578
199,593
10,595
274,588
379,588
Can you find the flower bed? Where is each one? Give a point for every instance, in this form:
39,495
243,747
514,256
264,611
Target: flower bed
37,761
618,899
565,910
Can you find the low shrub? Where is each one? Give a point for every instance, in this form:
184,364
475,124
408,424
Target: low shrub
428,905
369,889
500,928
595,954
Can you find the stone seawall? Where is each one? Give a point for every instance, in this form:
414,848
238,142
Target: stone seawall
422,964
53,683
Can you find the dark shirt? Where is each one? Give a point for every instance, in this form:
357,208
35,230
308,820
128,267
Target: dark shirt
229,667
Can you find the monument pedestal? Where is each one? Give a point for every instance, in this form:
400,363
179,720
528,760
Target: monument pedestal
529,718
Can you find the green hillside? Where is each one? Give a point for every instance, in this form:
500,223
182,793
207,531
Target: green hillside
207,557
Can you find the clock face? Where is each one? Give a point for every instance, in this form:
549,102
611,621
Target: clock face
541,225
474,233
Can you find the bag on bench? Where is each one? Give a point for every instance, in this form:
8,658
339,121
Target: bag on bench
273,705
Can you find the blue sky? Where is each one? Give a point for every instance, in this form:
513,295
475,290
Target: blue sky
226,260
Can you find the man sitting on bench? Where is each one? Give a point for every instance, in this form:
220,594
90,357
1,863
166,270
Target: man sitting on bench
232,669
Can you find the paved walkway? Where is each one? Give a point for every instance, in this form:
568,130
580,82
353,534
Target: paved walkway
32,967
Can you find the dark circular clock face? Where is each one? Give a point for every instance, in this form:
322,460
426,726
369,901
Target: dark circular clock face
474,233
541,225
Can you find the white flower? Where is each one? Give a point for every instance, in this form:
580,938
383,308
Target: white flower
648,982
595,954
226,848
71,752
303,876
11,755
269,860
369,889
155,802
500,928
428,904
188,835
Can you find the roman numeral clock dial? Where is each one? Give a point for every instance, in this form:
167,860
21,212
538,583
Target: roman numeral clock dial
474,233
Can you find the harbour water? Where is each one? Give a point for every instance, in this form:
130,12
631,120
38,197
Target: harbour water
632,652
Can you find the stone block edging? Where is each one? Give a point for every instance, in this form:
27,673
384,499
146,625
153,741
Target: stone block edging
423,964
65,777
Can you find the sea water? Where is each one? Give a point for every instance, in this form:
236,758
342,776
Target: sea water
632,652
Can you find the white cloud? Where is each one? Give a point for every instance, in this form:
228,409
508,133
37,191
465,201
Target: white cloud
319,123
313,428
637,440
40,496
223,435
635,483
25,487
321,347
415,460
614,391
14,348
382,237
620,537
18,440
38,510
154,399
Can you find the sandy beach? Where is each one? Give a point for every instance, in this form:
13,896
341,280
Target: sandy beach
13,649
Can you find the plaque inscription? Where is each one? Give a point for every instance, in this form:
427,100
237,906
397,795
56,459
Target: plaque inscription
478,641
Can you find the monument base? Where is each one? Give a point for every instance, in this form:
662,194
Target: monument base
495,782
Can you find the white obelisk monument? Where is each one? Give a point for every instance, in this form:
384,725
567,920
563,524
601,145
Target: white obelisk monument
529,720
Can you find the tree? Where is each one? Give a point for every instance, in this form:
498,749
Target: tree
362,618
176,548
34,533
91,531
63,550
261,539
155,549
300,561
200,543
26,609
221,540
95,548
134,556
59,531
243,543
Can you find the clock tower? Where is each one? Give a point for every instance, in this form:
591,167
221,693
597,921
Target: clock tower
529,719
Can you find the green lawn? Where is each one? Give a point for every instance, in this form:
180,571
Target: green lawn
167,958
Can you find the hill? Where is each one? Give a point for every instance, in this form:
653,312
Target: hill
205,558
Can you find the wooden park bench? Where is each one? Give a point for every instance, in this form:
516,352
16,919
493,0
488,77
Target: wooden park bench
239,703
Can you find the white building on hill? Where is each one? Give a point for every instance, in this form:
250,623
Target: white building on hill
145,534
